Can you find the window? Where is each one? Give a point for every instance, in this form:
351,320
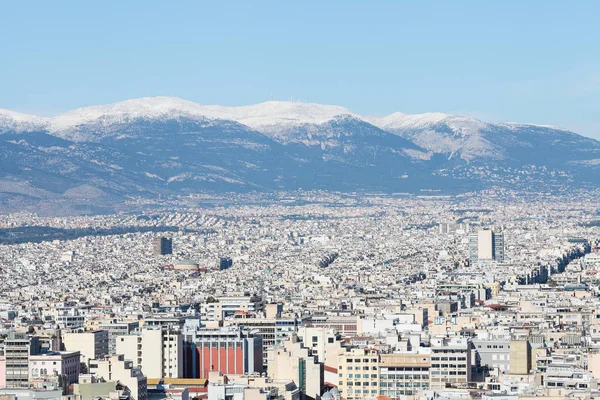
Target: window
315,339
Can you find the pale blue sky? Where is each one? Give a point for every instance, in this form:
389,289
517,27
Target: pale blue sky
522,61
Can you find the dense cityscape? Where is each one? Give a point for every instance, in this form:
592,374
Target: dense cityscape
306,295
299,200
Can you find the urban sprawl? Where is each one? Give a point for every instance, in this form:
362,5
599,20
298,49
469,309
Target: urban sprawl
306,295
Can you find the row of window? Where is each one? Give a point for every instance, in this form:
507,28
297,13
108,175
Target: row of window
404,377
359,391
448,366
448,358
358,376
448,372
357,368
404,384
405,369
446,351
361,383
365,360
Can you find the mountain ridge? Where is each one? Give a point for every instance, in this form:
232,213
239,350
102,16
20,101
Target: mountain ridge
168,146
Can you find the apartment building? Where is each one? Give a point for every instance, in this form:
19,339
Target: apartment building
404,375
18,347
91,344
115,329
358,371
63,363
450,362
116,368
158,352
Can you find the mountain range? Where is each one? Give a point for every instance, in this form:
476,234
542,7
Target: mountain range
102,155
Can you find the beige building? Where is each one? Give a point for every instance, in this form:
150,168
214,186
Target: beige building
115,368
158,352
227,306
520,357
485,248
404,374
90,388
294,362
90,344
359,374
450,362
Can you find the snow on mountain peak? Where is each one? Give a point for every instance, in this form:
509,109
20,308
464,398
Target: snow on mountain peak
19,122
147,107
274,115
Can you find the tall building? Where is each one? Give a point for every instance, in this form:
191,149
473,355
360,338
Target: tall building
404,374
90,344
157,351
18,347
115,368
486,245
520,357
450,361
296,362
116,329
359,373
163,246
229,350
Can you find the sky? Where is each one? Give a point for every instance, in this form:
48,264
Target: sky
511,61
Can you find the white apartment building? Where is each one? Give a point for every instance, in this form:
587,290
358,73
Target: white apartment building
158,352
55,364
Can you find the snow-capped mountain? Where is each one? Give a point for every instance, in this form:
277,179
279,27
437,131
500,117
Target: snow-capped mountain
166,145
276,117
11,121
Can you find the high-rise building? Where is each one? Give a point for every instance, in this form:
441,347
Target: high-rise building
17,349
157,351
296,362
163,246
359,373
486,245
450,361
